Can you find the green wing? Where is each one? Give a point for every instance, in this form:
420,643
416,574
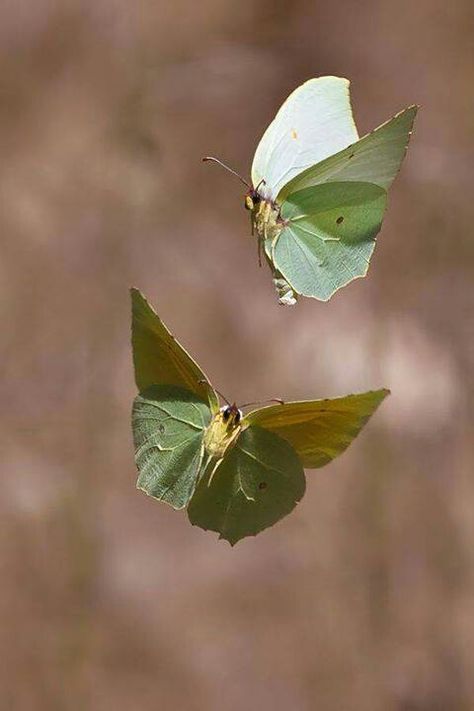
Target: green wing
159,359
328,237
376,158
319,430
168,426
259,481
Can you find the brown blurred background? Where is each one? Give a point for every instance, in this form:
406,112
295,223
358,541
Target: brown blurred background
363,598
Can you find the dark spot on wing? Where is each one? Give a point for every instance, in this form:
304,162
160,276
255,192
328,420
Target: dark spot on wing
340,219
161,428
262,485
352,155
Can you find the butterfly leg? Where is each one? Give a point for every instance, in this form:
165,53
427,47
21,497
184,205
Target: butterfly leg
213,471
259,247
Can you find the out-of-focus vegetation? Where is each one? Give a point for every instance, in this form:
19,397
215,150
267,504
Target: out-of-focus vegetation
364,597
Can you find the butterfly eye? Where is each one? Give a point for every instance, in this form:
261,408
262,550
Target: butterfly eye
249,203
226,414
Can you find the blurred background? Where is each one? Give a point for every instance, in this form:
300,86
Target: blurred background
363,598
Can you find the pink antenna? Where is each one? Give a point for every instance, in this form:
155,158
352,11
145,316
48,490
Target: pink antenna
226,167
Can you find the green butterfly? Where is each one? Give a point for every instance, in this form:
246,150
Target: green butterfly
318,192
235,474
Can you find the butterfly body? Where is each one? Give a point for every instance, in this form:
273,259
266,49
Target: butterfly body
267,223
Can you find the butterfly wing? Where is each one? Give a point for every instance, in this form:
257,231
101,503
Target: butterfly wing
159,359
329,236
168,427
259,481
334,210
314,122
375,158
318,430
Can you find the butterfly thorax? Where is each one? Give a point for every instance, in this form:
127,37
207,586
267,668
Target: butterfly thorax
223,430
264,216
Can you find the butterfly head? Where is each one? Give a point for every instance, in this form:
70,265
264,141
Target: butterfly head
231,415
252,199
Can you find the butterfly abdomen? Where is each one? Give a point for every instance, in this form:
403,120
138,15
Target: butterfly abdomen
266,218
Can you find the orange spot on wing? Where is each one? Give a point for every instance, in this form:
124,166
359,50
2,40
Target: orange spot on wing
293,133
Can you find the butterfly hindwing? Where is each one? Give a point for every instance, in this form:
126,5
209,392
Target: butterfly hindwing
328,237
259,481
168,425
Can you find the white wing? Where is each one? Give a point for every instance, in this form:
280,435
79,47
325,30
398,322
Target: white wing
314,122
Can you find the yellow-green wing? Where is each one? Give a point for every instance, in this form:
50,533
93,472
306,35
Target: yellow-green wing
375,158
319,430
259,481
159,359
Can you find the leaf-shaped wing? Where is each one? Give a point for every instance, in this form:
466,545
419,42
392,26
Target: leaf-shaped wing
328,237
319,430
159,359
259,481
376,158
314,122
168,426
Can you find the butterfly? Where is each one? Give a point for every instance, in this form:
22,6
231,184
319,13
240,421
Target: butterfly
318,193
236,474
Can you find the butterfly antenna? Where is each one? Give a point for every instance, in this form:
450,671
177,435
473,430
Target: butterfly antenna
217,391
230,170
262,402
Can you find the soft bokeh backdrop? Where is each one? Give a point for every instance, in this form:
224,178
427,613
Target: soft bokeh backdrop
363,598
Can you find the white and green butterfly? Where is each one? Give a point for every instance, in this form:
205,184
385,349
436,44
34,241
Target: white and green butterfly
236,474
318,193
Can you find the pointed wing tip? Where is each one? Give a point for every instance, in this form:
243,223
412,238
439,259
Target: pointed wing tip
140,304
409,111
136,296
228,540
381,394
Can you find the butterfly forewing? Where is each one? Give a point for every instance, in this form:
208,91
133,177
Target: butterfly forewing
376,158
159,359
313,123
259,481
168,426
319,430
